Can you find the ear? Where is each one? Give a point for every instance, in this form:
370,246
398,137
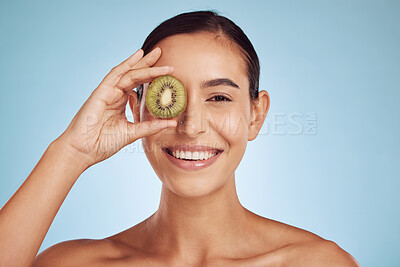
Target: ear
134,105
259,111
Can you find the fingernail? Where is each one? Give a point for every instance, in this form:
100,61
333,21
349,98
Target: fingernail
157,48
172,123
166,68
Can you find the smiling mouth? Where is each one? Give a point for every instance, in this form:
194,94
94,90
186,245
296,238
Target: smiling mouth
192,152
193,155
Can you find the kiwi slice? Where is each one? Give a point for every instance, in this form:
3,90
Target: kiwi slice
166,97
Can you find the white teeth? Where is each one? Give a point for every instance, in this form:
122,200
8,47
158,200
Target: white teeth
195,155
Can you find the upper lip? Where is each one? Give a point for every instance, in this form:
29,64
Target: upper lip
187,147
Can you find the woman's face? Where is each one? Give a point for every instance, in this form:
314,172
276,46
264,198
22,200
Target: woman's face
217,116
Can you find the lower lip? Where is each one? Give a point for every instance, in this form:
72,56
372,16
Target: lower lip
192,164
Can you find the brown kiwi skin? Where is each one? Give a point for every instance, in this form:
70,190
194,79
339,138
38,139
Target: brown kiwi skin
168,117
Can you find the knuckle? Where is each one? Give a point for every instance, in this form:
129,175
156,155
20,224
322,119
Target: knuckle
133,76
151,72
113,69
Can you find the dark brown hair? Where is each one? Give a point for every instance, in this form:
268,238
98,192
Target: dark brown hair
209,21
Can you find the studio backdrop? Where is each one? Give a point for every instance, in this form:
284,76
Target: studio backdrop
326,159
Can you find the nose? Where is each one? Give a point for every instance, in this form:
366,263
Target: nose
192,122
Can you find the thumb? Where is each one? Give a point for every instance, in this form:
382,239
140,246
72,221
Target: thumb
146,128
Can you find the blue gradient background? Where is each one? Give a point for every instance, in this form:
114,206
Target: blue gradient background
327,158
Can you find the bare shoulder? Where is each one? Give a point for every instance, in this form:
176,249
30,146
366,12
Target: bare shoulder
315,253
280,234
294,246
80,252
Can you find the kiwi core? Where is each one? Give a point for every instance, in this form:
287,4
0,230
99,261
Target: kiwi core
166,98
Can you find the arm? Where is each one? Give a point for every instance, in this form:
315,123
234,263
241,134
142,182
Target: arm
27,216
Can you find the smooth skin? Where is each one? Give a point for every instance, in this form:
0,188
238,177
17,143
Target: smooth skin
200,221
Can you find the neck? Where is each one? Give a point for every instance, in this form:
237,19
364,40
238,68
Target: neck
202,226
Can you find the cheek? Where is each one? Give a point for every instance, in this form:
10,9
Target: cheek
147,145
231,124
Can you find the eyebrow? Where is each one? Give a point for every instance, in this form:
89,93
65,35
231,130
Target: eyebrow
219,81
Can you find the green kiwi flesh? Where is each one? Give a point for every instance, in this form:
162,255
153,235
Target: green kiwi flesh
166,97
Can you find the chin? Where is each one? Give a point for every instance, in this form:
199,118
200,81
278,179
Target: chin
192,187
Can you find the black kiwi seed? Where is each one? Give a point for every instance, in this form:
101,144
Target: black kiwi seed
166,97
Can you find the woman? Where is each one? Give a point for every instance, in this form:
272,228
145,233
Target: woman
200,221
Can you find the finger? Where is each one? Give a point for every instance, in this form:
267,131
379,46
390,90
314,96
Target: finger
150,59
143,129
123,67
135,77
136,61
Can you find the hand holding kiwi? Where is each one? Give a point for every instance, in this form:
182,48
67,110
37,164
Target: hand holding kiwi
100,128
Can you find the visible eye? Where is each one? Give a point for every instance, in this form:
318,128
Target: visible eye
220,98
